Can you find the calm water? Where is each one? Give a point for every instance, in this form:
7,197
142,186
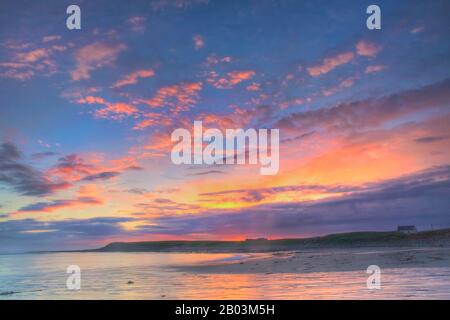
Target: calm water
105,276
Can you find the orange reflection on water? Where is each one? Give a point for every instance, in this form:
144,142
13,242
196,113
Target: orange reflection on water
159,276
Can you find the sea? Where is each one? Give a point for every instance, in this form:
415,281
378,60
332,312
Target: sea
113,275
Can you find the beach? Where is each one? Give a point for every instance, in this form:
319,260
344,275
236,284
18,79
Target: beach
412,266
334,260
406,273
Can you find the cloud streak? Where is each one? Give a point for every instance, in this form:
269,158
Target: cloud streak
330,63
23,178
59,204
371,113
133,77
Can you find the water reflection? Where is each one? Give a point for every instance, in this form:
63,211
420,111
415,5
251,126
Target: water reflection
107,276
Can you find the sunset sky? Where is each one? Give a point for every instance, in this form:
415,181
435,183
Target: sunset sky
86,117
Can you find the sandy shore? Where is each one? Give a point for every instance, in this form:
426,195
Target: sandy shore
329,260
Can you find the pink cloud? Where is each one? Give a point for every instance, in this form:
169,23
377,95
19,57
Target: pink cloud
367,49
214,59
94,56
91,100
17,74
179,97
254,87
417,29
72,168
90,167
345,83
370,113
374,69
51,38
198,41
137,23
116,111
26,63
152,119
133,77
113,111
145,124
291,102
33,56
330,63
232,78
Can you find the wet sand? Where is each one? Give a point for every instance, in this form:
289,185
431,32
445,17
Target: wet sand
332,260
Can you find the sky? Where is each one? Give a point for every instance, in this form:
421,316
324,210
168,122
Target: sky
86,118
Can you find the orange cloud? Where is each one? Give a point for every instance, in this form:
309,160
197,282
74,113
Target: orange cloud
329,64
145,124
90,168
179,97
72,168
346,83
198,41
133,77
367,49
233,78
92,100
254,87
33,56
113,111
291,102
116,111
151,119
94,56
374,69
27,63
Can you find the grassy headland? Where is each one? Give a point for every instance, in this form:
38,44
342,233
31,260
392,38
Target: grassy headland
341,240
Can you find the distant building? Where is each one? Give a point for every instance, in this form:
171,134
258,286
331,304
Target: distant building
257,239
407,229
